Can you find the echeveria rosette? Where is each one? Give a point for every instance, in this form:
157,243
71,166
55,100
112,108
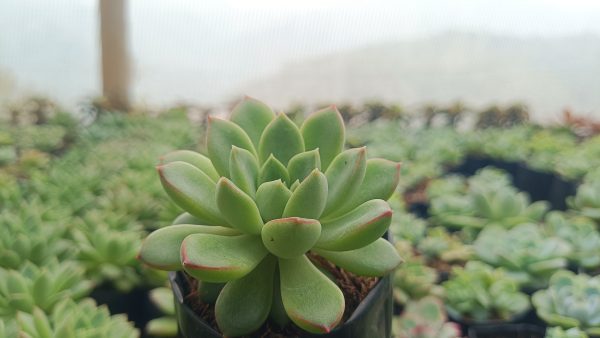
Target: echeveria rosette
570,301
268,193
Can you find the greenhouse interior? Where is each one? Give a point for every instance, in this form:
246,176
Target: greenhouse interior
393,169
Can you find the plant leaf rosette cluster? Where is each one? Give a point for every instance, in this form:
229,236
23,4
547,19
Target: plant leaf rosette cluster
571,301
269,193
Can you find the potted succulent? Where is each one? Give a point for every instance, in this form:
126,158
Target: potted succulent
570,301
526,253
425,318
279,220
479,294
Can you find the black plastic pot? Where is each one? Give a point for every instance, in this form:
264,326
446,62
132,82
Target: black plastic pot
372,318
136,304
537,184
466,325
561,189
507,331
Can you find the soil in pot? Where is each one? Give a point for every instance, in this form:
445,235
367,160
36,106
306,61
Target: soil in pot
355,290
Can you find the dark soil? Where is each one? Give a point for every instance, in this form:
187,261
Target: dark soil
355,289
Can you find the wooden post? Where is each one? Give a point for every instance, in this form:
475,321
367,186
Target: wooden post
115,56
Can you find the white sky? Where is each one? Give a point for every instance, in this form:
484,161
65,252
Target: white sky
226,42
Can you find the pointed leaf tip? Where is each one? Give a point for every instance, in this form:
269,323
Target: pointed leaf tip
282,139
324,129
191,189
252,116
221,136
238,208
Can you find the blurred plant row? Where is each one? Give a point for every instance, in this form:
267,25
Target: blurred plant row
77,198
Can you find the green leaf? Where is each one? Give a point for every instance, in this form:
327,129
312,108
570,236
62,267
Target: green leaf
162,327
42,290
271,199
325,130
376,259
243,168
244,304
301,165
161,249
238,208
278,315
282,139
290,237
196,159
253,116
42,325
357,228
311,300
344,177
218,259
192,190
221,136
187,218
309,198
163,299
273,170
380,182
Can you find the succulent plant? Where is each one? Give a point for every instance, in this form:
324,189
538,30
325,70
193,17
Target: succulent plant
587,199
413,280
267,194
481,293
75,320
570,301
406,226
525,252
581,233
108,255
438,244
559,332
42,287
425,318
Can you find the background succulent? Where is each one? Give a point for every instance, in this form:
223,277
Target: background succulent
559,332
570,301
267,194
587,199
413,280
165,326
75,320
525,252
425,318
481,293
581,233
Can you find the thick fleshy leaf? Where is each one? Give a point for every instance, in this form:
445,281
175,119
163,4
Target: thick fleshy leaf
192,190
309,198
196,159
301,165
243,168
221,136
281,138
376,259
218,259
273,170
357,228
324,129
187,218
344,176
290,237
244,304
253,116
271,198
380,182
162,248
238,208
311,300
278,314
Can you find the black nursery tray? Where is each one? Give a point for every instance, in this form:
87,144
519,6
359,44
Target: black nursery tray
507,331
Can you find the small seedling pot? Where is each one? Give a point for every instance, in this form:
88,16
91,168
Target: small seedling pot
372,318
507,331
